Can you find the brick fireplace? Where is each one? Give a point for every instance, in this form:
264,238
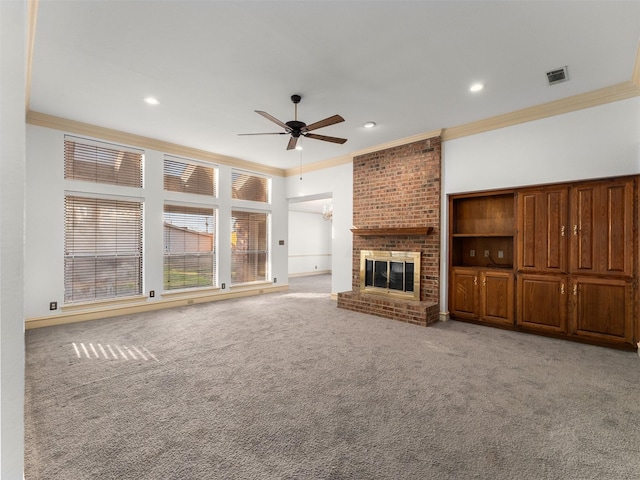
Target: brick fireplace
396,208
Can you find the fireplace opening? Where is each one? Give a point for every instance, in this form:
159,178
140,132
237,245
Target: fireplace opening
390,273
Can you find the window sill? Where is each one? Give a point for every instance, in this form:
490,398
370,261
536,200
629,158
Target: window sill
71,307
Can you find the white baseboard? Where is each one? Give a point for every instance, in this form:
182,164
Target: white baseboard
307,274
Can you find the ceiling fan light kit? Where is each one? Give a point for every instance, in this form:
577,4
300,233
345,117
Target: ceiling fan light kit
296,128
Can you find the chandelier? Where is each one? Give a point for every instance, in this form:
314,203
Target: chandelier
327,213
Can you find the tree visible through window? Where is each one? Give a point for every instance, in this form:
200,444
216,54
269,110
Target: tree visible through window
247,186
249,246
189,247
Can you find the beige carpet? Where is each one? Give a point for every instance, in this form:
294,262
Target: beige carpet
287,386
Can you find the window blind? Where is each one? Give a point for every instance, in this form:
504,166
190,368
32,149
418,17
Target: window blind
189,247
102,163
247,186
189,177
102,248
249,247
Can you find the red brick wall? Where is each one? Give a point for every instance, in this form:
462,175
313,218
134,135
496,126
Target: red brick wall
400,187
395,188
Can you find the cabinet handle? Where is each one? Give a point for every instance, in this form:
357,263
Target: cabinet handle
484,281
562,231
575,229
562,288
475,280
575,289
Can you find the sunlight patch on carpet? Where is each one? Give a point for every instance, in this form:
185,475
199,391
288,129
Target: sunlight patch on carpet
112,352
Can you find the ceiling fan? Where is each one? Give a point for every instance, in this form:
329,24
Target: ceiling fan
296,128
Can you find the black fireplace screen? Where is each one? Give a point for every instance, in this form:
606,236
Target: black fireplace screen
392,275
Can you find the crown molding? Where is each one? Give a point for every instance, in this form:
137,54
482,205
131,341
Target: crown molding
332,162
621,91
312,167
32,17
635,76
396,143
102,133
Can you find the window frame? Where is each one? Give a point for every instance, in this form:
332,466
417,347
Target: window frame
214,244
77,249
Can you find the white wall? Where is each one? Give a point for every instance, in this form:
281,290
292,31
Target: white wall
602,141
46,188
338,181
309,243
13,33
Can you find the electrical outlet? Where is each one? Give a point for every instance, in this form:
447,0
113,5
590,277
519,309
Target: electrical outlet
472,253
53,305
275,280
500,254
152,293
224,285
486,253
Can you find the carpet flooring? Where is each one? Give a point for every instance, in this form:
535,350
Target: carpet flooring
287,386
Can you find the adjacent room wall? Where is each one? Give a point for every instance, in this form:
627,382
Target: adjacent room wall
338,181
309,243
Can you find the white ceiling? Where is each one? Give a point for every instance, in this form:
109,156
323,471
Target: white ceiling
406,65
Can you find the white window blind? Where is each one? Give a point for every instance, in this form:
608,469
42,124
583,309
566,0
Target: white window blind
102,248
189,177
102,163
247,186
189,247
249,247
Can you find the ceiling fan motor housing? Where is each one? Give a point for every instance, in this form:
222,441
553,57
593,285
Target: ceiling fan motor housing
296,127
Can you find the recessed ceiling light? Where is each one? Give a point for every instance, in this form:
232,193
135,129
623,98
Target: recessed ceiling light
152,101
369,125
476,87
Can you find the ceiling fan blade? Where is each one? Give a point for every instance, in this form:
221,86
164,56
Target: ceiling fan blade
325,138
292,143
273,119
323,123
267,133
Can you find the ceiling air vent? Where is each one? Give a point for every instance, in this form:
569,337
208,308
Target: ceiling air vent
558,75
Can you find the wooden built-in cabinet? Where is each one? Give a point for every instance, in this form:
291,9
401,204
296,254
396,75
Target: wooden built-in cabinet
602,228
575,248
480,294
482,279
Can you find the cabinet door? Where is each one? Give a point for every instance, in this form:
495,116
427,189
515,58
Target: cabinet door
463,298
602,228
497,297
602,309
542,302
542,216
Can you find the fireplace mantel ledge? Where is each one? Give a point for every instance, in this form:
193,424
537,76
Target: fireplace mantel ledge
401,231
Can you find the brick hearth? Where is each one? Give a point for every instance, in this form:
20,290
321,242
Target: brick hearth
393,189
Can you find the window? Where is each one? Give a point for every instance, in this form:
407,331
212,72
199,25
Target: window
102,248
246,186
249,246
188,177
189,247
102,162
